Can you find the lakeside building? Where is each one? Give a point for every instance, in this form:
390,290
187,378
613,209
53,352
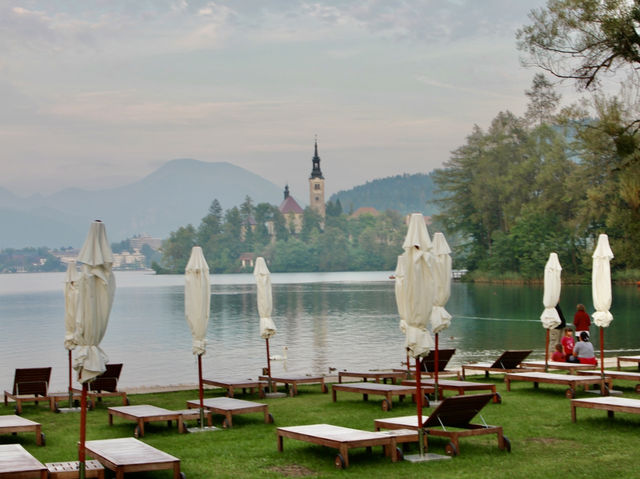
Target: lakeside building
291,211
316,185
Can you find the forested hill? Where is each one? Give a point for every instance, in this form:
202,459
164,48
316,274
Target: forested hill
403,193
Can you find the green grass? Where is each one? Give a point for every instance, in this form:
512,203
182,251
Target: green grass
545,443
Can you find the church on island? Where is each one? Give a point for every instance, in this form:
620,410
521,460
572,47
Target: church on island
290,208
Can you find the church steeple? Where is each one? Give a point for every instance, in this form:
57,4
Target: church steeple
316,184
315,161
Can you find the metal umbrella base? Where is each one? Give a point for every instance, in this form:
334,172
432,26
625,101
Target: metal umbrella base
68,409
203,429
425,457
275,395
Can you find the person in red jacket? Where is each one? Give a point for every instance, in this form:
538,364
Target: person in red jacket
581,320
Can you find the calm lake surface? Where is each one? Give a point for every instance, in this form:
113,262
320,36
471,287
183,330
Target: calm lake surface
326,320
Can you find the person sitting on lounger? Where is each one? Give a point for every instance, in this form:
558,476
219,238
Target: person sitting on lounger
568,343
558,354
583,350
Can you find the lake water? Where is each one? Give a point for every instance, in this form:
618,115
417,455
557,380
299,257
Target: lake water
326,320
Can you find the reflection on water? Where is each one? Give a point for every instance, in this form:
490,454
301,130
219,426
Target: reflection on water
334,320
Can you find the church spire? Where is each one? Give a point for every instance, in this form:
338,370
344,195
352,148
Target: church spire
315,161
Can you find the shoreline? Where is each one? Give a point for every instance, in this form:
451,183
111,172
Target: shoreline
609,363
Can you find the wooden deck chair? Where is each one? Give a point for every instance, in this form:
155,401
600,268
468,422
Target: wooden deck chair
106,385
29,385
509,361
452,419
428,362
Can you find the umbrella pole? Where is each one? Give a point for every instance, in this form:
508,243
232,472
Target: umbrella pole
201,391
70,380
83,431
435,369
269,366
602,386
546,353
419,406
408,365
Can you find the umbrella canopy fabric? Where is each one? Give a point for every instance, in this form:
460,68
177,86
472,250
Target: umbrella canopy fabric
420,289
440,318
265,298
401,295
552,285
197,299
96,291
601,282
71,295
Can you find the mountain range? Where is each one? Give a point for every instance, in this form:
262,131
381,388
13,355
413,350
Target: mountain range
178,193
404,193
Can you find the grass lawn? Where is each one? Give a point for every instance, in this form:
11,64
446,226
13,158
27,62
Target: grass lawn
545,443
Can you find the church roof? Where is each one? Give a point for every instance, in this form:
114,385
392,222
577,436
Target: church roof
289,205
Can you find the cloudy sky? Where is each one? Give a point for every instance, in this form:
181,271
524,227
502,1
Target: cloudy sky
100,93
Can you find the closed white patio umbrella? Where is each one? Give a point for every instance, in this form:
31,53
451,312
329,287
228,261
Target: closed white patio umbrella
265,306
601,289
420,292
96,291
197,303
440,318
71,297
401,298
552,286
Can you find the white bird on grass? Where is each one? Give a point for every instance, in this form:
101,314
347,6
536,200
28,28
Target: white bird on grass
277,357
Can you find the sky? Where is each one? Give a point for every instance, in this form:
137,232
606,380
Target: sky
100,93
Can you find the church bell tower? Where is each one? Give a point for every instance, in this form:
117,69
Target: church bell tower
316,185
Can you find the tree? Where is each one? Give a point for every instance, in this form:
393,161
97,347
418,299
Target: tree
211,224
609,173
177,249
583,39
311,221
543,100
485,183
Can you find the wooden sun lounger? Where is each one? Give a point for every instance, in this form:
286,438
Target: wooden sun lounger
16,462
344,438
629,359
428,363
231,406
147,413
573,368
377,376
29,385
458,386
131,455
12,424
610,404
451,419
623,375
231,385
429,375
569,380
509,361
55,399
293,380
106,385
386,390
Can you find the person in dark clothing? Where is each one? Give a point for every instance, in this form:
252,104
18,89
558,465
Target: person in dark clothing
555,334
